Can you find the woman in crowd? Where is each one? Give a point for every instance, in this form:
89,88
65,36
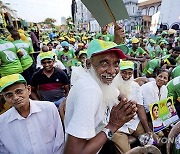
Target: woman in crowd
155,91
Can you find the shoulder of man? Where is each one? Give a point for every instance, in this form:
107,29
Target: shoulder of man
44,105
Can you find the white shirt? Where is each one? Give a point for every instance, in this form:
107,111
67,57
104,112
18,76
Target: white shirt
84,111
151,94
40,133
76,74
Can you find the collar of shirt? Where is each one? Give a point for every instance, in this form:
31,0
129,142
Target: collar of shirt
15,115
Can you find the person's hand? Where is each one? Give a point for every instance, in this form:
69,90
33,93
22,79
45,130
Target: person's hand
20,53
121,114
62,109
119,35
164,66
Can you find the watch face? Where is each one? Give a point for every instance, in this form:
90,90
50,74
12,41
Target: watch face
110,134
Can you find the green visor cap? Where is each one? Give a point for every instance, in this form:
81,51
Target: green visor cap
164,32
126,65
152,41
46,55
9,80
99,46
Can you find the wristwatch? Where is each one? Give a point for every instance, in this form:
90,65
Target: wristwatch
108,132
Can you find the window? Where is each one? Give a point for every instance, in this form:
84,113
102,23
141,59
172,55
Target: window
151,11
144,12
175,26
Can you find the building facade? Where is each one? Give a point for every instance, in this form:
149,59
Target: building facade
135,15
83,17
170,14
149,8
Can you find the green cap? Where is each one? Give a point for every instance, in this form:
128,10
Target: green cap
126,65
99,46
152,41
9,80
163,42
164,32
82,52
46,55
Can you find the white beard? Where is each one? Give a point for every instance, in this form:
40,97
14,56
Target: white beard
125,87
110,92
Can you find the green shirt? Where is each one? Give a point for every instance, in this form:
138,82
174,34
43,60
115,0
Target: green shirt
151,66
174,88
64,57
139,51
27,49
107,37
74,62
162,52
160,39
10,63
175,72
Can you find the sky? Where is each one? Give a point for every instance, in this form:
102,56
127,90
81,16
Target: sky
38,10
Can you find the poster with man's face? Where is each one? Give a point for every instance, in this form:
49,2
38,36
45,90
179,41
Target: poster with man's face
163,113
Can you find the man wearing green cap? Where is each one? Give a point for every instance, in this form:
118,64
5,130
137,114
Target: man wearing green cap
29,126
49,83
136,53
66,56
162,51
104,34
151,48
131,90
90,118
162,37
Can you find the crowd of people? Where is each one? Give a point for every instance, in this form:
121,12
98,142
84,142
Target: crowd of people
81,92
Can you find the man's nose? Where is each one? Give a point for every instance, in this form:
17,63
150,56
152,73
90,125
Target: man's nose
111,69
15,96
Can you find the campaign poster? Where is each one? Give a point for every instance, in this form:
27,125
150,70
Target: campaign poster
163,113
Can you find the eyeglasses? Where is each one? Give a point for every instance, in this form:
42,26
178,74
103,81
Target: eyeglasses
46,62
17,92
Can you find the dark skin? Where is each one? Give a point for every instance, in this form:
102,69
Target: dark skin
19,101
143,118
120,114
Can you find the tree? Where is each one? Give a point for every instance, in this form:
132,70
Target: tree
69,23
50,21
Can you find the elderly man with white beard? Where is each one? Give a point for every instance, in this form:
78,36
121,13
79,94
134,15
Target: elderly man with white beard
131,90
93,111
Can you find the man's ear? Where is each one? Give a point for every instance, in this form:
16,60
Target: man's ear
29,89
88,63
